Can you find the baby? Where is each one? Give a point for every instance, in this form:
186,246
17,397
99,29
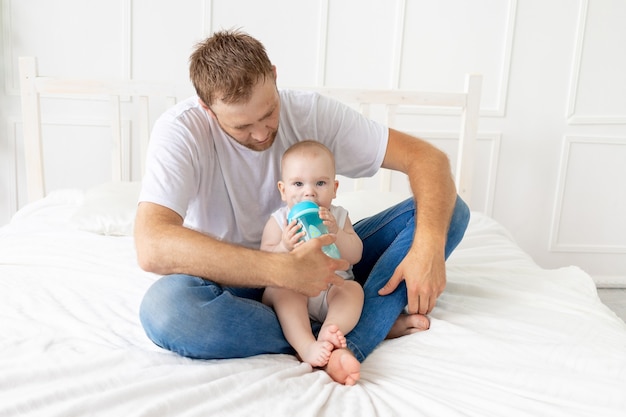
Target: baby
308,173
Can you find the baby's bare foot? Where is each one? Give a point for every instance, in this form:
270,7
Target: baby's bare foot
332,334
317,353
408,324
343,367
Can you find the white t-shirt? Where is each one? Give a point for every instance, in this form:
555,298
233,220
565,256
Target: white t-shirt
225,190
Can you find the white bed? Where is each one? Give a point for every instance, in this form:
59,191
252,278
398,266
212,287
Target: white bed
507,337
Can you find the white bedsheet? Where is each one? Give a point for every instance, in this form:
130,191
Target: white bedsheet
507,338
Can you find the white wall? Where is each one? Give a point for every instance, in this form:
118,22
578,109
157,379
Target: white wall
552,155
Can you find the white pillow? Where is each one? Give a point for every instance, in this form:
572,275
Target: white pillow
109,209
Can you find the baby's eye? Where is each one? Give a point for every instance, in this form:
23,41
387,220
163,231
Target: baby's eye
321,183
298,184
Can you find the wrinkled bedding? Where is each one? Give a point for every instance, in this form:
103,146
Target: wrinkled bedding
507,338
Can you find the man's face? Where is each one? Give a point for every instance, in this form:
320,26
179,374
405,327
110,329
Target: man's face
253,124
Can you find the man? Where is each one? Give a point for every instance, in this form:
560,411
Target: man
209,187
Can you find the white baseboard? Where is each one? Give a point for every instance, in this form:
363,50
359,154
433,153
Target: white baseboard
610,281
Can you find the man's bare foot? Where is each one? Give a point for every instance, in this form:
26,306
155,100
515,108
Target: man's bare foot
343,367
408,324
317,353
332,334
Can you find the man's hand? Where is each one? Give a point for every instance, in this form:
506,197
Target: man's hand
314,271
425,278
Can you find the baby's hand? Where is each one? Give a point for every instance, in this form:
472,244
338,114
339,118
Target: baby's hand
329,220
292,234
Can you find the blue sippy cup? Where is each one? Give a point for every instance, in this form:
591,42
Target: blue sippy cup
306,214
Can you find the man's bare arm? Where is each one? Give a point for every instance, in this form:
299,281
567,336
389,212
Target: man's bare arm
430,176
165,246
431,181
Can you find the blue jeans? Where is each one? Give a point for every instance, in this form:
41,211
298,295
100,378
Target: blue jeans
198,318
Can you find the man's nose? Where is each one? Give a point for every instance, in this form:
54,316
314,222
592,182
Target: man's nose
260,133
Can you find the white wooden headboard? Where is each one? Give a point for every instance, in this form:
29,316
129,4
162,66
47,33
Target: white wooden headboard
34,86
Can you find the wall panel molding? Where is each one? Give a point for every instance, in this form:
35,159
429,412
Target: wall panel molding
12,86
505,69
398,44
574,117
207,18
322,43
496,72
558,236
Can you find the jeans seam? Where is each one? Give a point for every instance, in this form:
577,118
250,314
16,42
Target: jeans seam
378,260
355,350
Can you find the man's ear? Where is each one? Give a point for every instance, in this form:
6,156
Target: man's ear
275,72
207,108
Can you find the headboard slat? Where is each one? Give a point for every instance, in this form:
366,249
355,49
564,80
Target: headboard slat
467,140
140,95
116,148
31,121
144,129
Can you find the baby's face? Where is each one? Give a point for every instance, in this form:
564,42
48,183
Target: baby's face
308,178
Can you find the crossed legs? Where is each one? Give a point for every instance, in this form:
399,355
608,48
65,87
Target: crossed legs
201,319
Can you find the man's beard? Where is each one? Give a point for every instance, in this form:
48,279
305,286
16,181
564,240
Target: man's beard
263,146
